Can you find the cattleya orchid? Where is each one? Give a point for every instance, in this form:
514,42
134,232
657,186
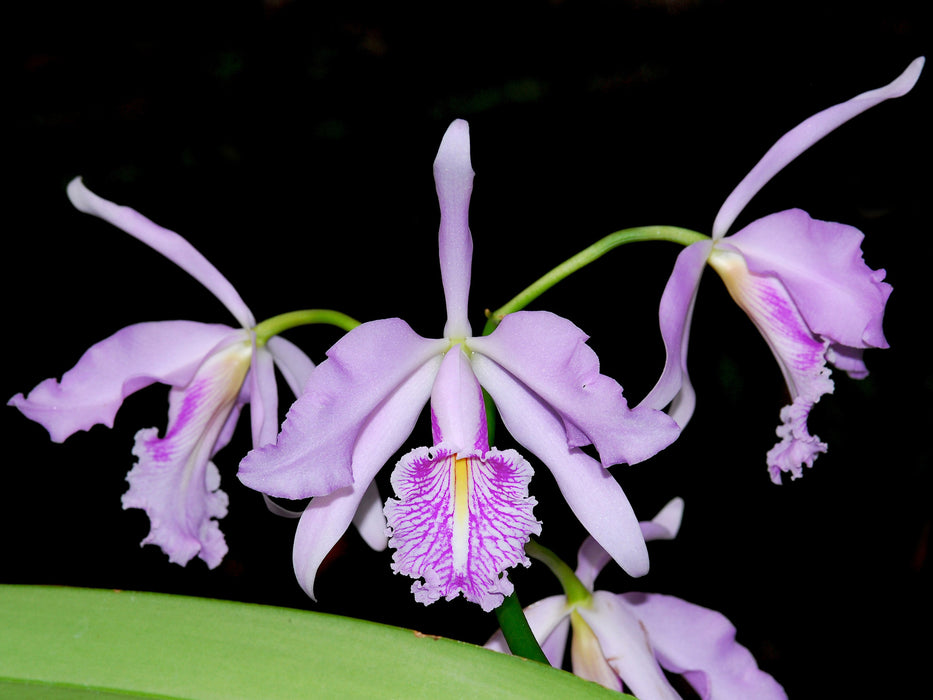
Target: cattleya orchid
803,282
462,513
627,641
213,371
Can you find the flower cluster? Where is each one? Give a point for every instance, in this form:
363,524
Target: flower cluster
461,514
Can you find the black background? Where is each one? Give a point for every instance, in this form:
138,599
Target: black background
292,143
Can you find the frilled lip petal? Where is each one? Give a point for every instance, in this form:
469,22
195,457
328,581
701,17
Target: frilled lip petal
589,489
174,480
675,315
548,355
166,242
700,644
626,647
820,264
313,453
804,135
460,521
327,517
134,357
800,354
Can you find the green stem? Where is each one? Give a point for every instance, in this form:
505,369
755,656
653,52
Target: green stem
574,589
282,322
630,235
517,632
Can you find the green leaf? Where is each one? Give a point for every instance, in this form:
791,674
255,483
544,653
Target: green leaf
72,644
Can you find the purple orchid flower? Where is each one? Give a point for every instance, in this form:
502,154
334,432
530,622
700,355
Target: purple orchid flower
213,369
462,513
623,641
802,282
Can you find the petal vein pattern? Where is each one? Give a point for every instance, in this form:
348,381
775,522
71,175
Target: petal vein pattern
460,522
174,480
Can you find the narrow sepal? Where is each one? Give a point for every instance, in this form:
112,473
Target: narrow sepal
166,242
804,135
675,314
453,176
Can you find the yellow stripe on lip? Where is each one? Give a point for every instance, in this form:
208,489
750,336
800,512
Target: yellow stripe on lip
460,536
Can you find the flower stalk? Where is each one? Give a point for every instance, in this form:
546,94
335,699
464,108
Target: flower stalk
283,322
574,589
589,254
517,631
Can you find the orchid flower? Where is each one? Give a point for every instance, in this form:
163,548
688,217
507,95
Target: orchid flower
803,283
213,371
628,640
462,513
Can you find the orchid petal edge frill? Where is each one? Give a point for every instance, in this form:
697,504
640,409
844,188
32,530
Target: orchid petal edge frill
174,480
460,521
803,282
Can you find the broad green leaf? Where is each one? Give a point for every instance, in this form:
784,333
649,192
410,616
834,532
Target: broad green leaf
76,644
